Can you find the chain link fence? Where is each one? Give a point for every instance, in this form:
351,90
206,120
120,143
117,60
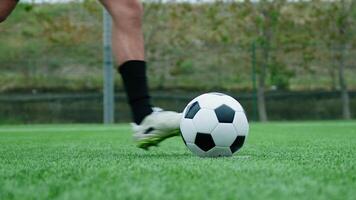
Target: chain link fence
87,107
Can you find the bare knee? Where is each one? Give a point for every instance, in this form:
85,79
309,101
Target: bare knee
125,10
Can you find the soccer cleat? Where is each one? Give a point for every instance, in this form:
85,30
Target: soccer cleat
156,127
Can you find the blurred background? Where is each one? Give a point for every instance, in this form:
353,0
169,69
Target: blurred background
283,60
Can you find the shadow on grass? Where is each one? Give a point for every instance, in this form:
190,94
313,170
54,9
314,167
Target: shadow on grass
178,156
156,155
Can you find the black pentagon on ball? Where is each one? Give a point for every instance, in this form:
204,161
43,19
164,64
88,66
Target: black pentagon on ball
192,110
204,141
225,114
239,141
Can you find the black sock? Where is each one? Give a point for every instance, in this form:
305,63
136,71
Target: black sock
135,82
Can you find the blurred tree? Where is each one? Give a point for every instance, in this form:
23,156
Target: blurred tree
266,17
201,46
336,25
344,33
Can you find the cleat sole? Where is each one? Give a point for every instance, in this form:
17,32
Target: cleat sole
155,140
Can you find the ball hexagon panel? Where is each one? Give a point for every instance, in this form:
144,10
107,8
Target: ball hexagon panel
192,110
204,141
196,150
198,98
205,121
219,151
188,130
238,143
210,101
224,135
217,93
225,114
241,124
232,103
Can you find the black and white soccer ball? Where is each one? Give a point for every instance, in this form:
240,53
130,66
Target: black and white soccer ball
214,124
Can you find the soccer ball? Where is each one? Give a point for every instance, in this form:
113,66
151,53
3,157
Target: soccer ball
213,125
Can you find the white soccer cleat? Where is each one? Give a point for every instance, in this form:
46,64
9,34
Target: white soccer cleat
156,127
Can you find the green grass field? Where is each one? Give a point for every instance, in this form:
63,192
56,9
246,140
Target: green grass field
312,160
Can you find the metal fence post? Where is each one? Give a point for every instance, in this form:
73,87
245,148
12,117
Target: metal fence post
108,71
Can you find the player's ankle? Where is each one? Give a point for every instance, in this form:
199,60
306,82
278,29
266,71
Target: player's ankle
135,81
140,110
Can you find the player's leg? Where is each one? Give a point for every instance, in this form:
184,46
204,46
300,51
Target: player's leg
127,38
6,7
128,47
150,126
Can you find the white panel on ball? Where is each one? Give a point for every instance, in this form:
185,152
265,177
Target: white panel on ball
219,151
224,134
241,124
210,101
233,103
188,130
205,121
196,99
195,149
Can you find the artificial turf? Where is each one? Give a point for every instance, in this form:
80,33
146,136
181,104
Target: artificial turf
311,160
